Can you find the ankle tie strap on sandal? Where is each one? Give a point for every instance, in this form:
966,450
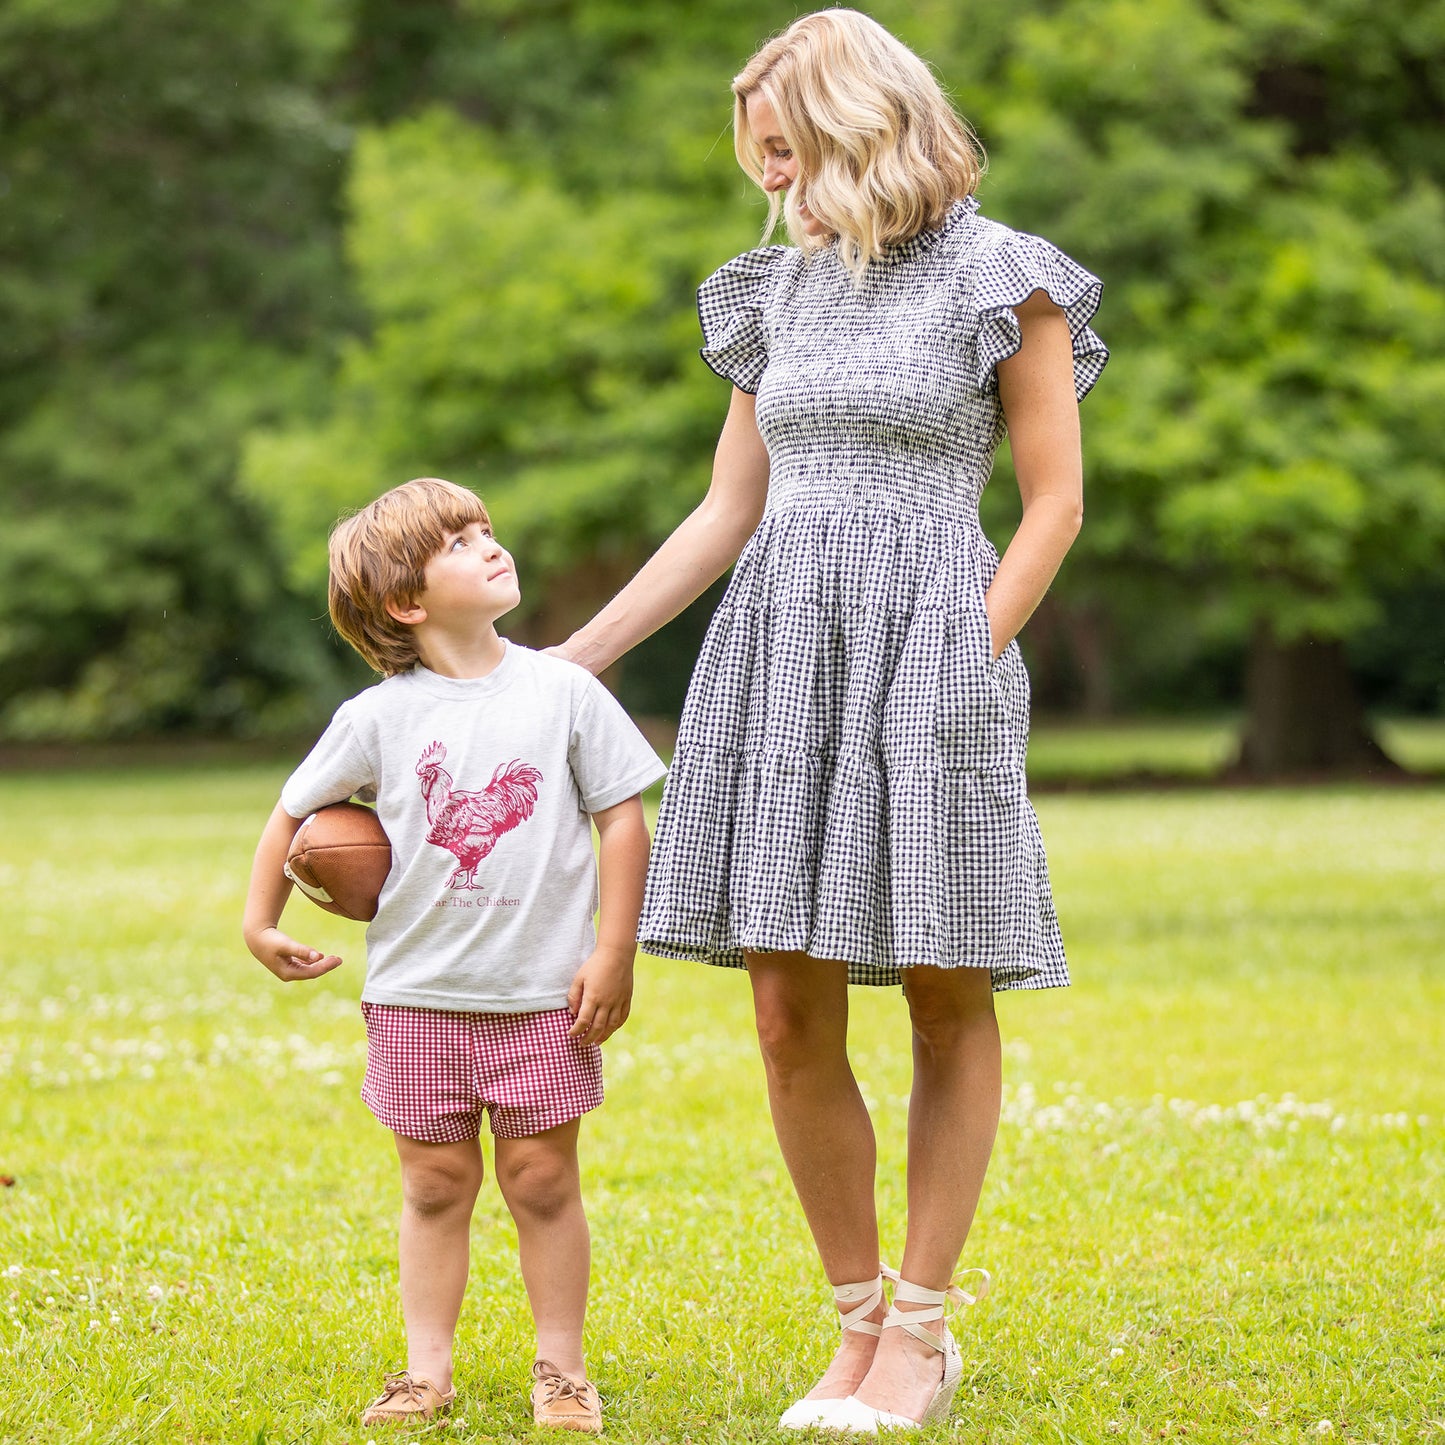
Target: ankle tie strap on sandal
853,1415
865,1296
940,1300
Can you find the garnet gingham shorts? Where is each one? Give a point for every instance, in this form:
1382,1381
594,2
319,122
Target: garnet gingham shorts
431,1073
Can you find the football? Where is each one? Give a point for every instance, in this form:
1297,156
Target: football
339,859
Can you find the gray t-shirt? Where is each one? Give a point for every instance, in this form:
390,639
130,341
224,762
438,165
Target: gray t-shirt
484,786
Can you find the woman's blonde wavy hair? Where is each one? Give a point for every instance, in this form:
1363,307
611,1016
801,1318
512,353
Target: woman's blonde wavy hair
882,152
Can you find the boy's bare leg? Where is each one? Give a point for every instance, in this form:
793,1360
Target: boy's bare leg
539,1179
439,1184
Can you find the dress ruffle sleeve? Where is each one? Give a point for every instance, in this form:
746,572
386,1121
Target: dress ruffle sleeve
730,307
1008,275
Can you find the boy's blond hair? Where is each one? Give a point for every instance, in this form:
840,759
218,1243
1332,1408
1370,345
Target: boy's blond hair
379,555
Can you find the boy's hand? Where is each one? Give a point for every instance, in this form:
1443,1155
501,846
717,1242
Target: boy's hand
286,958
265,898
601,994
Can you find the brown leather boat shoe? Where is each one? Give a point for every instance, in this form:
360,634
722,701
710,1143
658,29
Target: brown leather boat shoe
404,1400
564,1403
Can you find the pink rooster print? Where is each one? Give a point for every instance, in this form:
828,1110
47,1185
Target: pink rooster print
469,824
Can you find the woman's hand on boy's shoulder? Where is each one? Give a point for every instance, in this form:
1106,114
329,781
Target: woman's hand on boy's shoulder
576,651
600,998
288,959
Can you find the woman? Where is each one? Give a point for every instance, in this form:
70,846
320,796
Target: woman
847,800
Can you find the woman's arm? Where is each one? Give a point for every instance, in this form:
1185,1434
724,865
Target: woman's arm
705,544
1036,387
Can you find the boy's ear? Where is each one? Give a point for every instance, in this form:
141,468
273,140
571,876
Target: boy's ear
407,613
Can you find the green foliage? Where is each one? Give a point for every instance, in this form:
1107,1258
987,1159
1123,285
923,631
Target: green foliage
171,269
151,597
1315,479
534,345
529,194
1274,297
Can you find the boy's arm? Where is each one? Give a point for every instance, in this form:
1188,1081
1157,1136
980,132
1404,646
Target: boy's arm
601,994
266,897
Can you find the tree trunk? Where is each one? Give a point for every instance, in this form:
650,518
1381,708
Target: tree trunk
1067,647
1303,715
1091,638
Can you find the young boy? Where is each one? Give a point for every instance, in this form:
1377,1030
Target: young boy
486,986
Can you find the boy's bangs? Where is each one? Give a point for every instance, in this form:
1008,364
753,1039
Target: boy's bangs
453,513
437,513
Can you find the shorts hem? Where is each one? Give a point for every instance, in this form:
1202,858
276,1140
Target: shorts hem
464,1130
562,1116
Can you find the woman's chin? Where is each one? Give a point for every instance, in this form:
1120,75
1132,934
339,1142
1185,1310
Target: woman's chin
812,227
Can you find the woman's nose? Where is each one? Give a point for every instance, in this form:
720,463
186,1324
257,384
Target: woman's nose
775,178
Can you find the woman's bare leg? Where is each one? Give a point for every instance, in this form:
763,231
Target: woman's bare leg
823,1129
952,1120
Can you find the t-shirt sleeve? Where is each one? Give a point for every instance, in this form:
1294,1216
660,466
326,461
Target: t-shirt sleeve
1010,274
336,769
610,759
730,307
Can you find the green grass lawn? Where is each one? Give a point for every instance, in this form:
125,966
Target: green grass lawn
1216,1212
1191,748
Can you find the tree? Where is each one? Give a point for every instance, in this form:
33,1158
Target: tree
1268,226
531,191
1262,187
170,249
529,281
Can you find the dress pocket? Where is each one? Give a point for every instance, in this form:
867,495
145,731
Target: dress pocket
970,730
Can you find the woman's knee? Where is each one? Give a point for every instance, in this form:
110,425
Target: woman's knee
800,1028
949,1007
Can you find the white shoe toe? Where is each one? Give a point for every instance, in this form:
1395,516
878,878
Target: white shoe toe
848,1416
808,1415
863,1419
856,1417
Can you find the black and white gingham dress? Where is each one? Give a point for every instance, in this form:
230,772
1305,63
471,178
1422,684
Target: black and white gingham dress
849,774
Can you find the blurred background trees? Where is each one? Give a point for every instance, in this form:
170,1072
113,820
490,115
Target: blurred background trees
258,263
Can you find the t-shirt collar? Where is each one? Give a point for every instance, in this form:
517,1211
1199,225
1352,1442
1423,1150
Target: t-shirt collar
464,687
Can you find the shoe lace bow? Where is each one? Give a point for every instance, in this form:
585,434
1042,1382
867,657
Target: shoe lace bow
958,1298
557,1386
401,1383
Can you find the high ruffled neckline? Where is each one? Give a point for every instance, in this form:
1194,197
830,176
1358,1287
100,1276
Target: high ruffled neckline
929,237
